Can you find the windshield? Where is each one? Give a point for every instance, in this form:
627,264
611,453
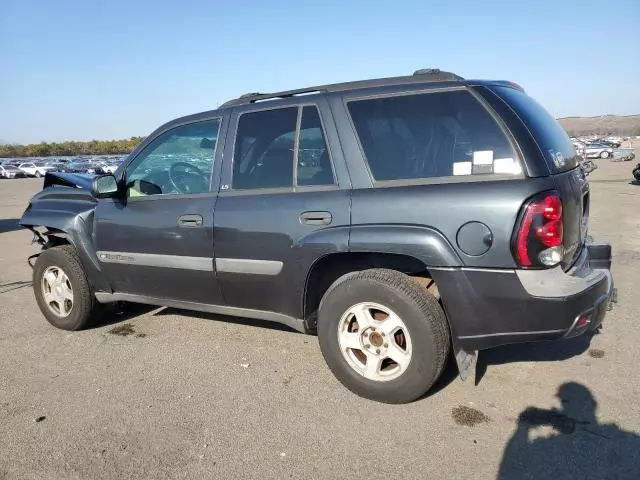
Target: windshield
559,152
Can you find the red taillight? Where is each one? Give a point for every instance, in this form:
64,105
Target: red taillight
540,229
550,234
551,207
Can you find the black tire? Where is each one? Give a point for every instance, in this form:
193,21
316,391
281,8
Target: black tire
38,174
604,154
85,309
420,312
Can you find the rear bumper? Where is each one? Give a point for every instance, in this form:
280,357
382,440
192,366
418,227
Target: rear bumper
487,308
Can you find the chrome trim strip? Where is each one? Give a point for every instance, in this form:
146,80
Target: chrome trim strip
247,265
204,264
296,324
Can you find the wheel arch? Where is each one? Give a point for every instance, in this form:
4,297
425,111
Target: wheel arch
333,267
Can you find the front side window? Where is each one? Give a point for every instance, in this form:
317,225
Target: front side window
428,135
179,161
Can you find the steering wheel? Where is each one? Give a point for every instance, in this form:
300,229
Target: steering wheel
179,173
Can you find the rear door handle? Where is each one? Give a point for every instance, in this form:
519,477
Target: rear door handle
315,218
190,220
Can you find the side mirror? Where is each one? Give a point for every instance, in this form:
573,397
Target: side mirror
104,186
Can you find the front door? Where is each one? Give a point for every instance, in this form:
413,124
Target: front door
281,206
157,241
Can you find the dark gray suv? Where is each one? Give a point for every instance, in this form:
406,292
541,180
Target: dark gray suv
398,218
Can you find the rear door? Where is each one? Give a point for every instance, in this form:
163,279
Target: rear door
562,162
279,191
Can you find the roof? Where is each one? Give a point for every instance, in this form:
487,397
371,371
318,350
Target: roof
419,76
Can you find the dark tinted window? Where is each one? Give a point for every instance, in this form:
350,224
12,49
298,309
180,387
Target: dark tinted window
314,163
430,135
263,156
551,137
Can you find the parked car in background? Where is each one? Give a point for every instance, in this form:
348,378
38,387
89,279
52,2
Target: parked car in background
33,170
77,167
616,141
608,143
110,167
95,168
598,150
11,171
11,162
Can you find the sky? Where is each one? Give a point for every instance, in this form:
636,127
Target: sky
106,69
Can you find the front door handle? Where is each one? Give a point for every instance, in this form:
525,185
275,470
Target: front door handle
315,218
190,220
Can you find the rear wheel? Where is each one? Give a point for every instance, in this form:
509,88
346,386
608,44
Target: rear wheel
62,290
604,154
382,335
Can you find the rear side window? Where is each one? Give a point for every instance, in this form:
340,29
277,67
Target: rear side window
265,150
428,135
559,152
314,164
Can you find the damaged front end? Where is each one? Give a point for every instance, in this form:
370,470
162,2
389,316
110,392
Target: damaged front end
62,213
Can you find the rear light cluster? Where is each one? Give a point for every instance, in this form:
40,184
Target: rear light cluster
538,238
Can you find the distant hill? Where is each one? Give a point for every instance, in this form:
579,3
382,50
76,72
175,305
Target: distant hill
604,124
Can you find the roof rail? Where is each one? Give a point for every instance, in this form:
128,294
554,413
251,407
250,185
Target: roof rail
419,76
257,97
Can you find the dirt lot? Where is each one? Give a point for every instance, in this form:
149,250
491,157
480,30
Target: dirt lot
187,395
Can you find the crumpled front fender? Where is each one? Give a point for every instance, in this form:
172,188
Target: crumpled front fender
69,211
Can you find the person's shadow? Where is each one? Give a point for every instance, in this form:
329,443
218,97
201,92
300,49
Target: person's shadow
570,443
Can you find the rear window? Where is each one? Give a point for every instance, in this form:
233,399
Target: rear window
427,135
559,152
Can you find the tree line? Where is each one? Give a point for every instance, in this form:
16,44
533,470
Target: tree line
70,149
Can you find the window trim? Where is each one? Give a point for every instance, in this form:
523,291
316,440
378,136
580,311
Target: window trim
123,175
294,188
433,180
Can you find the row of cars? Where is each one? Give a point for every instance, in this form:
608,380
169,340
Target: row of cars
17,168
594,147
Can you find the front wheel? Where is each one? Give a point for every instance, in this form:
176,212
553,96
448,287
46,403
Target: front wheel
382,335
62,291
604,154
38,174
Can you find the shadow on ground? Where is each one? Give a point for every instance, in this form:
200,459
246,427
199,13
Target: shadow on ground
121,312
531,352
9,225
569,442
227,319
449,374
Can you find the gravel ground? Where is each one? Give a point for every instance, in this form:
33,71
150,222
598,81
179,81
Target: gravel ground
188,395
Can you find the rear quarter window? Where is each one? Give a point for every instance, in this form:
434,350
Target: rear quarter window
431,135
559,153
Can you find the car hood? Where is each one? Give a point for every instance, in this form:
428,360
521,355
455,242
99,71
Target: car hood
78,180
